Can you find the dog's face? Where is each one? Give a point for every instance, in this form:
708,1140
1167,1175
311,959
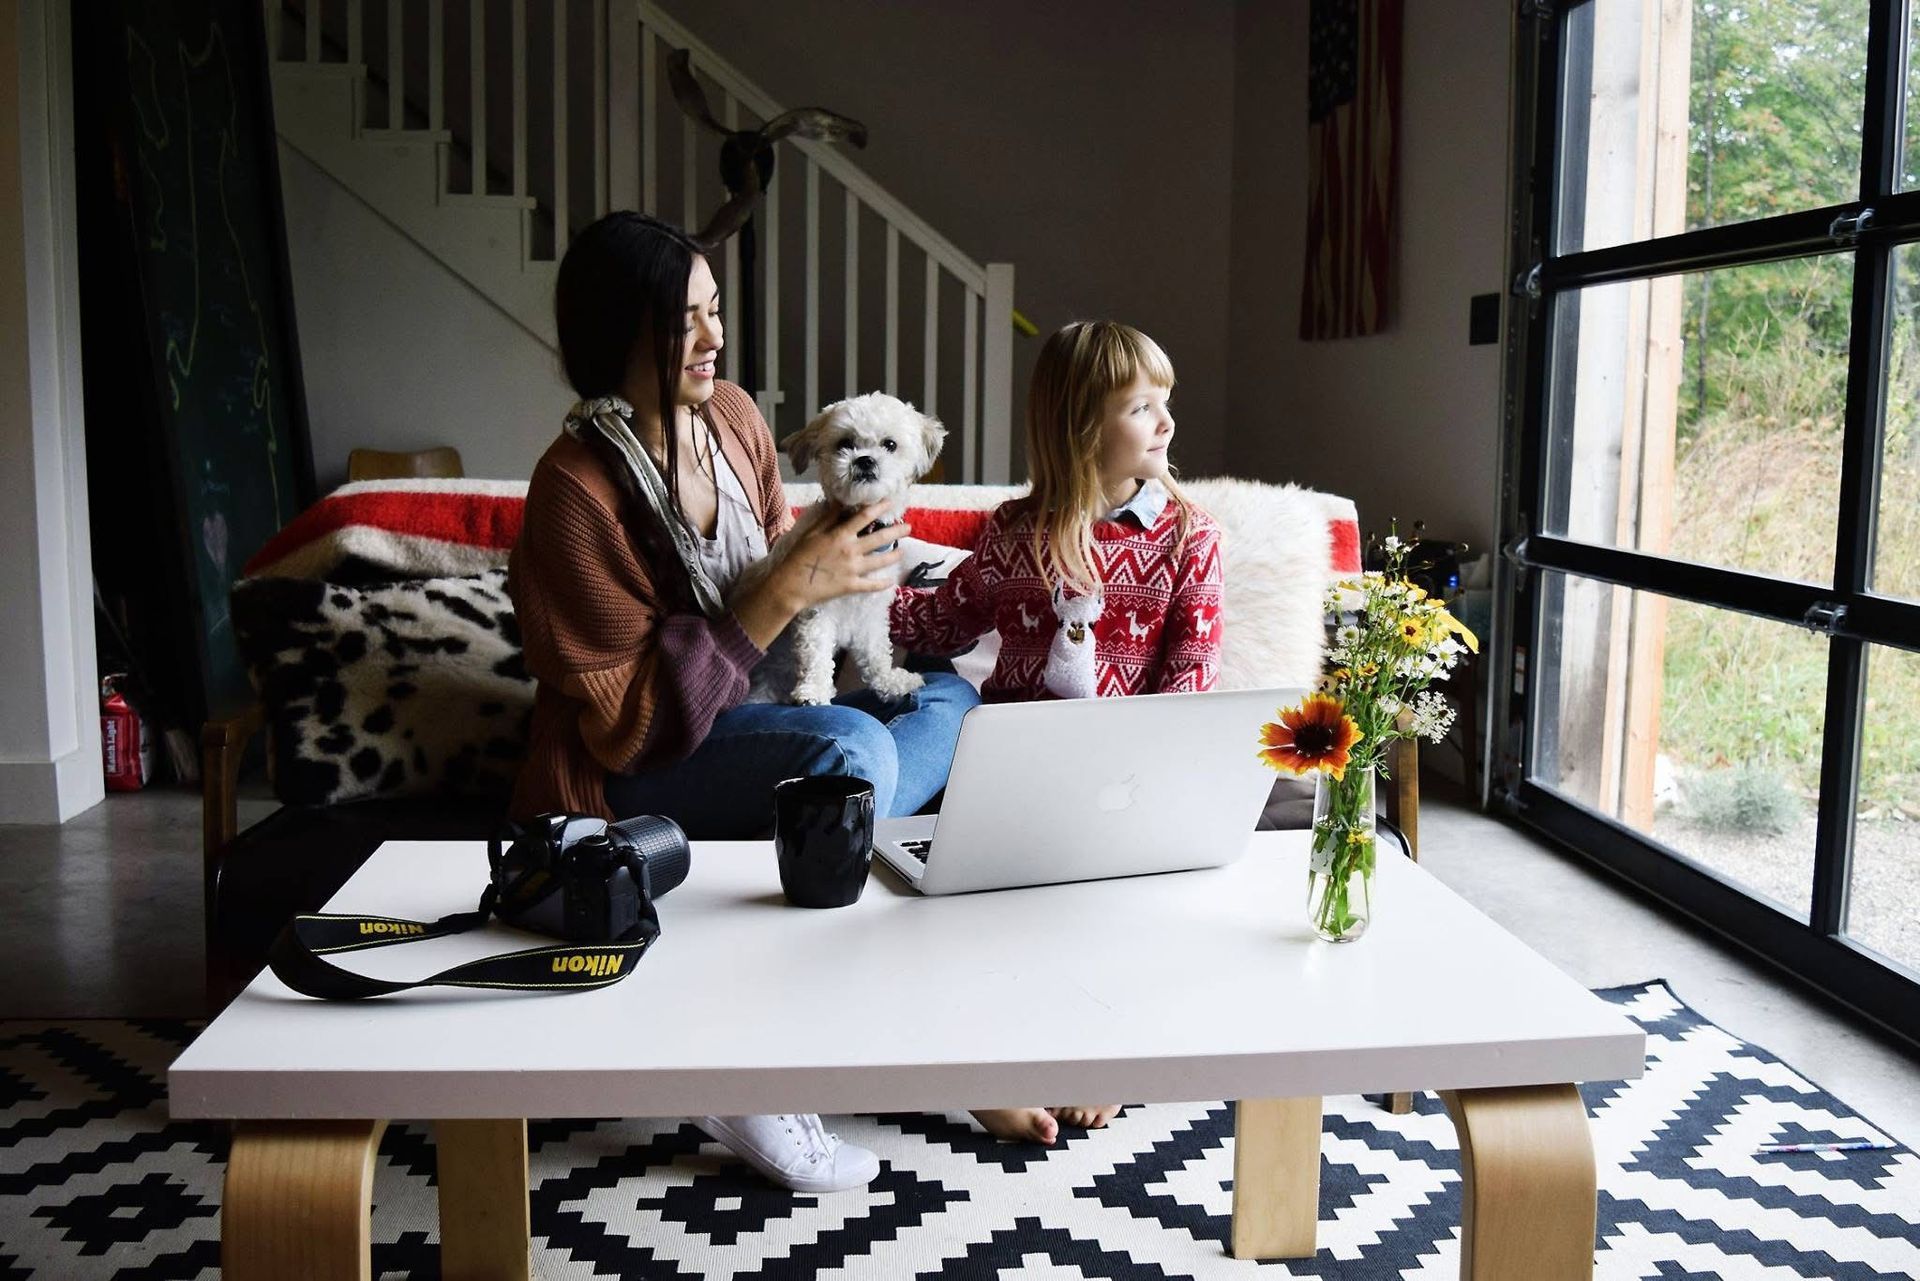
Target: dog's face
867,449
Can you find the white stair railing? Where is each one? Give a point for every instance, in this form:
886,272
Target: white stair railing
604,135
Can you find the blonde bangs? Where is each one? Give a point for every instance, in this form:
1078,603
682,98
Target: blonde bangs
1146,357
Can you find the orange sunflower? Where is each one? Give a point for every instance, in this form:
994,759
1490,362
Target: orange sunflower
1316,735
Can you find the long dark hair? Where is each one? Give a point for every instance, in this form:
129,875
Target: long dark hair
623,282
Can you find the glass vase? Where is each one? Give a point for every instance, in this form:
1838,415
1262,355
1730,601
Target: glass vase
1340,869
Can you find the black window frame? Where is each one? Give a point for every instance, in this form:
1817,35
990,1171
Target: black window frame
1874,226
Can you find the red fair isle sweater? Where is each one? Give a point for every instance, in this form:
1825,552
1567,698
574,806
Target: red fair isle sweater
1159,626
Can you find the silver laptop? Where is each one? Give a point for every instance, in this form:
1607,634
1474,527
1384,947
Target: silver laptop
1082,789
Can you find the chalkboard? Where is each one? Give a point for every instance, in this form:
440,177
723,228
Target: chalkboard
185,116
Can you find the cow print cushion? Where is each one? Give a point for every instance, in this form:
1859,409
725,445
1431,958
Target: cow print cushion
398,689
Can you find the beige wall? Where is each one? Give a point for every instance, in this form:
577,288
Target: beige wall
399,353
1405,422
1088,142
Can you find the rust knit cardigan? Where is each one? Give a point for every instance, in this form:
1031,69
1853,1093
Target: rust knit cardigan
630,674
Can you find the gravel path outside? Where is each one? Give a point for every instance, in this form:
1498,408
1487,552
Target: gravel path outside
1884,910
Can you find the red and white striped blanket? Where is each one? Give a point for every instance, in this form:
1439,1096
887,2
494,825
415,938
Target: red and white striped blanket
448,528
401,528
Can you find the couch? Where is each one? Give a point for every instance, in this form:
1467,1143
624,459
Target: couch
383,606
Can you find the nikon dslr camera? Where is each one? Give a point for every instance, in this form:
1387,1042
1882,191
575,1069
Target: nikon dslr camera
585,880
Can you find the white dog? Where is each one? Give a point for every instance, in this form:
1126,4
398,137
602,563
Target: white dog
868,449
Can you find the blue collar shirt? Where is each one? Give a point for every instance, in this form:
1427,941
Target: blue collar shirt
1145,506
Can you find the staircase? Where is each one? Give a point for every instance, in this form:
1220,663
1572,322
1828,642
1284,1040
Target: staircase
489,137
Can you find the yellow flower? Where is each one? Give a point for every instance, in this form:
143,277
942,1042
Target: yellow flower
1412,634
1448,623
1316,735
1369,669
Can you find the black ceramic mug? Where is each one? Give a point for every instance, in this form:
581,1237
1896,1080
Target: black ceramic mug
823,836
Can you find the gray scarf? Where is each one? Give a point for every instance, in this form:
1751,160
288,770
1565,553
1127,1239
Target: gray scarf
611,417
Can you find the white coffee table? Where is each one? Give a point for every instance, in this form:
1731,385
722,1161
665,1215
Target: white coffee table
1199,985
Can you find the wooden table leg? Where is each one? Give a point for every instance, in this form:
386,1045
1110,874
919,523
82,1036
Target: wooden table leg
1529,1188
296,1201
484,1228
1276,1178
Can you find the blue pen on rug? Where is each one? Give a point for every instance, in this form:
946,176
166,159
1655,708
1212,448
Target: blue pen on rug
1850,1145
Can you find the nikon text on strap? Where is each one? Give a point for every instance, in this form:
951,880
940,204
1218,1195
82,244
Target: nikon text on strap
298,957
572,877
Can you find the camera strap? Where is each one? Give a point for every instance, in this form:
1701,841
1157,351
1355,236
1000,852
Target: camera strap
298,956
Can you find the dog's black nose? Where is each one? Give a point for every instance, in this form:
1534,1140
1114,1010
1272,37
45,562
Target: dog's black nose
865,466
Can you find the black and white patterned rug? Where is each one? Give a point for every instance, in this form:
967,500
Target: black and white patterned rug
98,1183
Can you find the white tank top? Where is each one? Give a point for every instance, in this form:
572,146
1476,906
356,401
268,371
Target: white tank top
738,537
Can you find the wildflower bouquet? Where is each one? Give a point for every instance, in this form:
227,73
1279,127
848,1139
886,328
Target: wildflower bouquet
1390,641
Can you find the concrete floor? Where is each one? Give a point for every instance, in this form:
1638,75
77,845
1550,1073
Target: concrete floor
101,918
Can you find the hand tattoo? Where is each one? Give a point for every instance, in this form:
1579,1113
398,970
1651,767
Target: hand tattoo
813,571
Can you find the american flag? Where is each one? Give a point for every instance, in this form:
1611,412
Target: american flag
1353,135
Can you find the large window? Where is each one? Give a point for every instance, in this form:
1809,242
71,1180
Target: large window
1712,592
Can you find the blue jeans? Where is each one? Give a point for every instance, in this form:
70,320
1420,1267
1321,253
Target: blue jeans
724,790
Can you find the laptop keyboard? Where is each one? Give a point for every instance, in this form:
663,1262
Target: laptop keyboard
917,848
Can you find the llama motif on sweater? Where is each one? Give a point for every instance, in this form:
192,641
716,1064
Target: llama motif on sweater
1157,629
1070,670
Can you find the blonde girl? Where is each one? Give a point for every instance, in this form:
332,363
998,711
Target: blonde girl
1103,581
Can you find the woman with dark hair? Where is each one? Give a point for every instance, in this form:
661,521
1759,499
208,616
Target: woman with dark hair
661,489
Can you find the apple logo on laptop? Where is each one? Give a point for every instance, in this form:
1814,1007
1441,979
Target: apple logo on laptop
1116,796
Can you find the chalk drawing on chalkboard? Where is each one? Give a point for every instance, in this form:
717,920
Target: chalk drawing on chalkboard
215,540
251,406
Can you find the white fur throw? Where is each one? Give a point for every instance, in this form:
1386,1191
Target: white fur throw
1276,545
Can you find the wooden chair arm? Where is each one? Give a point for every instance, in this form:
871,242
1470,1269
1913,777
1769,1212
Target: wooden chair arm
223,743
1403,789
1403,811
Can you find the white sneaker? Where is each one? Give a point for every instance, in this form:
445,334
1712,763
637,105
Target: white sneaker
795,1151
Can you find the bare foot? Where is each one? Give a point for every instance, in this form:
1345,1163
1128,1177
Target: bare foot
1022,1125
1087,1118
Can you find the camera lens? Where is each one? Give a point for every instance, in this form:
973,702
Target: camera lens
657,845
